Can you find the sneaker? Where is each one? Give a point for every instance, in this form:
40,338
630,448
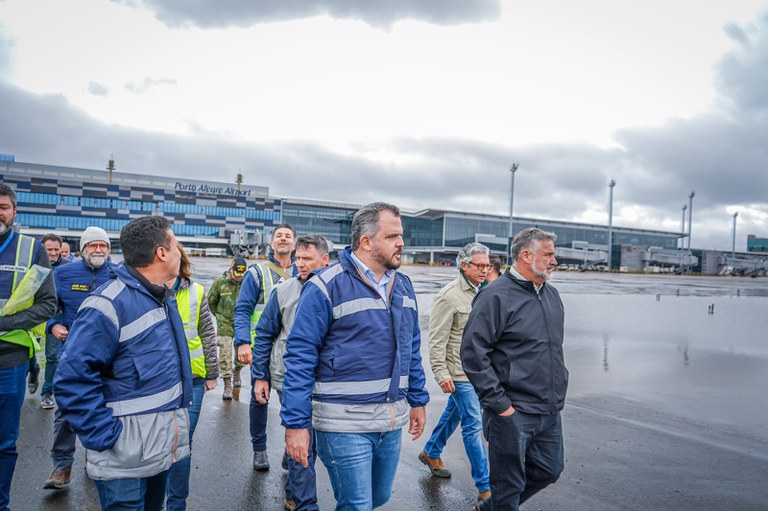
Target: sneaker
285,461
435,465
47,402
260,460
289,505
59,478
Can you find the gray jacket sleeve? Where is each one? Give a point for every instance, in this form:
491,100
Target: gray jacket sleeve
42,310
207,331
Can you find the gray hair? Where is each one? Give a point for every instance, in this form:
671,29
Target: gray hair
7,191
469,250
313,240
527,238
366,220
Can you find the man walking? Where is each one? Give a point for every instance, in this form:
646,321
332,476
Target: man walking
512,351
52,244
268,367
450,310
74,282
257,287
19,255
124,380
222,298
352,365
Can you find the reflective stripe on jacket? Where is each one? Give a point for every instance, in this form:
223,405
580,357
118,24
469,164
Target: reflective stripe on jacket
353,356
189,309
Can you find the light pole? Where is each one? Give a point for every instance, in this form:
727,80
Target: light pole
512,171
682,228
690,217
733,250
610,222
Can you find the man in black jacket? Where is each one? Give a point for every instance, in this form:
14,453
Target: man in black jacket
512,352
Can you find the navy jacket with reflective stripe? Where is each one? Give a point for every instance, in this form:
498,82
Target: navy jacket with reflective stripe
348,347
126,354
74,282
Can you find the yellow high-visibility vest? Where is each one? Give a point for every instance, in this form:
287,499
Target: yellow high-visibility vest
25,247
189,310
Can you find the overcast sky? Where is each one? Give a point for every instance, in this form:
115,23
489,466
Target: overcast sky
420,103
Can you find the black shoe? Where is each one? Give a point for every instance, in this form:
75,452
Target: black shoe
33,384
285,461
260,460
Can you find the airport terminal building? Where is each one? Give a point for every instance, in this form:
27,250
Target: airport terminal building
207,214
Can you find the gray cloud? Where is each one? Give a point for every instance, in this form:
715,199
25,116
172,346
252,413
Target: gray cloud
98,89
378,13
721,155
149,83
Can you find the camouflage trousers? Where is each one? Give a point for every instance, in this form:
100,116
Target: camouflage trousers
227,356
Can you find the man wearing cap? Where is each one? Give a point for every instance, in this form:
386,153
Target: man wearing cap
74,282
221,301
258,284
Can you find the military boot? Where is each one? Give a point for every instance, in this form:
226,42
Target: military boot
227,396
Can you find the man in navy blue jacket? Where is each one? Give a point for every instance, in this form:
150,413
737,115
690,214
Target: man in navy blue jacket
74,282
353,366
124,381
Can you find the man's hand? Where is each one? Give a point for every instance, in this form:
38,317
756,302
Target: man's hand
418,418
261,391
210,385
297,445
59,331
506,413
244,354
448,386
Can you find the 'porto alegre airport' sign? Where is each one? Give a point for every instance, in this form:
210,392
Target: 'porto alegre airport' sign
211,190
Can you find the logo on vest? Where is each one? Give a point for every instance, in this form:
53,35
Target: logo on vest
80,287
13,267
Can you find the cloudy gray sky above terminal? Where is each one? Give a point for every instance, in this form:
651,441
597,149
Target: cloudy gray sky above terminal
424,104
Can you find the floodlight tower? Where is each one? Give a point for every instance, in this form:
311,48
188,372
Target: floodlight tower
682,228
690,217
512,171
610,222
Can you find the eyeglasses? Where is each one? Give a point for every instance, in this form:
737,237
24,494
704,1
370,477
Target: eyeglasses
481,267
98,246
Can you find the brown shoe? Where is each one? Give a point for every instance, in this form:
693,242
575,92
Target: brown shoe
59,478
435,465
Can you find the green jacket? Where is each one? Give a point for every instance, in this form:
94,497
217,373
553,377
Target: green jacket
221,300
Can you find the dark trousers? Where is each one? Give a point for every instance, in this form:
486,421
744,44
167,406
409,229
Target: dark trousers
12,389
144,494
51,363
258,422
301,485
525,452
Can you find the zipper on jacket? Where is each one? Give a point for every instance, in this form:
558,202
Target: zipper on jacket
550,399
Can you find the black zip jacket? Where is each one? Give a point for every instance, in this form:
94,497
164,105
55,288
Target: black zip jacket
512,347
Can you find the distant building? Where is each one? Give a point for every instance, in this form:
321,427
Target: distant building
207,213
755,244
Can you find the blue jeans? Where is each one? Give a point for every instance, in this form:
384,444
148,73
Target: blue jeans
12,389
178,475
526,455
51,363
64,441
301,486
463,407
258,422
361,466
145,494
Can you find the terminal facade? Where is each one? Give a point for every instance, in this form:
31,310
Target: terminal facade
207,215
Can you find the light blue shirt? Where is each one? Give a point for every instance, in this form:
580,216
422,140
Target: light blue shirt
381,287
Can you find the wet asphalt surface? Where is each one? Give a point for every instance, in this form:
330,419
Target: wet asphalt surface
624,450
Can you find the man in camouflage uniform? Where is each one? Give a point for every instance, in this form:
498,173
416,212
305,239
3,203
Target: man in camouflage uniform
221,300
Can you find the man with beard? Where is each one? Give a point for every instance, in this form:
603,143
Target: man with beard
353,365
52,243
257,286
19,254
74,282
512,352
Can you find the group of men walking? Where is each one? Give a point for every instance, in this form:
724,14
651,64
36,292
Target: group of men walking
340,344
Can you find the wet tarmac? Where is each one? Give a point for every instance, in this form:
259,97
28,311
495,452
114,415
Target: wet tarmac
666,410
